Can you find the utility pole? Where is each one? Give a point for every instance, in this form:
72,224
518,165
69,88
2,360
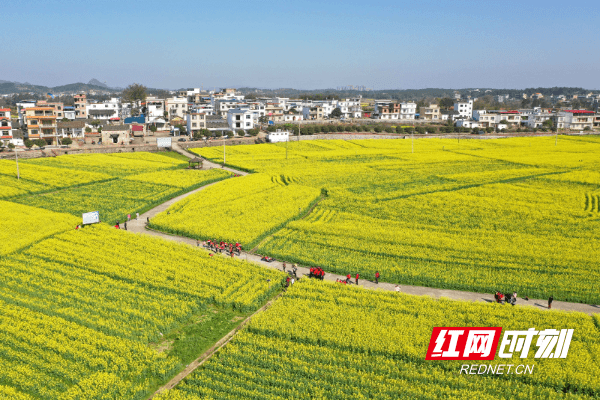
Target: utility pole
17,158
223,150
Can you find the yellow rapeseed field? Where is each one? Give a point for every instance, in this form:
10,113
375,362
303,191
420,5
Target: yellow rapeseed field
516,214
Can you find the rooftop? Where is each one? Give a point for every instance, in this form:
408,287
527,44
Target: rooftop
115,128
71,124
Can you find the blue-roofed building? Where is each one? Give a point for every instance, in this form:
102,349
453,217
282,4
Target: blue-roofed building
141,119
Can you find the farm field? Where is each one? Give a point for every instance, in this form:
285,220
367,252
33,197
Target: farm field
327,340
129,183
244,208
84,312
517,214
116,164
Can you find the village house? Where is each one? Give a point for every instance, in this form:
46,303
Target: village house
116,134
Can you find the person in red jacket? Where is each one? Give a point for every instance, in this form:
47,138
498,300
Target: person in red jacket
377,277
357,278
348,277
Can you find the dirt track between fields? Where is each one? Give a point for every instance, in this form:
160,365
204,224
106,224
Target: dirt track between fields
139,226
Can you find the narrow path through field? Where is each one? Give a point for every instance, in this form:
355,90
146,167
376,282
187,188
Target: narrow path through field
206,164
210,352
139,226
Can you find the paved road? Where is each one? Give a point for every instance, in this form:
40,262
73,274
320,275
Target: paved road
206,164
139,226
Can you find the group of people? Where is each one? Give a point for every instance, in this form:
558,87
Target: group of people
220,247
507,298
316,272
294,270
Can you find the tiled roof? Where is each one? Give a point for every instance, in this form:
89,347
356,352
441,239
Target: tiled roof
116,128
71,124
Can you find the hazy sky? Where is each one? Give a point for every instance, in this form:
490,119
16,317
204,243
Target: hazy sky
303,44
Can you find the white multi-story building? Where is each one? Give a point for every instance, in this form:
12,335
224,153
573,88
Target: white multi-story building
537,118
464,108
485,119
408,110
196,121
350,108
577,119
177,107
5,125
202,108
222,106
239,119
108,110
491,118
22,106
69,113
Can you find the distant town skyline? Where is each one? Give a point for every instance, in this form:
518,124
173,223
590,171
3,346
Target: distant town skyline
304,44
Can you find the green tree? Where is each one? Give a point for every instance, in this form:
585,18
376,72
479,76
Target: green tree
446,102
95,122
377,129
11,146
263,120
182,129
336,113
40,142
66,141
399,129
88,129
153,128
200,134
389,129
134,93
28,143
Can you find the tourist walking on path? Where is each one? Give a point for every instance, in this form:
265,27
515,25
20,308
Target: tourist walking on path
377,277
550,300
295,270
128,217
137,215
348,278
397,289
357,278
283,267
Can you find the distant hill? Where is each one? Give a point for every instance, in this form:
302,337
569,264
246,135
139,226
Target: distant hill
96,82
7,87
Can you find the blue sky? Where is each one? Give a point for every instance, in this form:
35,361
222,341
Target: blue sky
303,44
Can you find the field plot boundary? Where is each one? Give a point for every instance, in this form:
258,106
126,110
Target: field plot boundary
210,352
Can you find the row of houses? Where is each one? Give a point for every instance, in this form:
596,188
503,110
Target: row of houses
199,110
